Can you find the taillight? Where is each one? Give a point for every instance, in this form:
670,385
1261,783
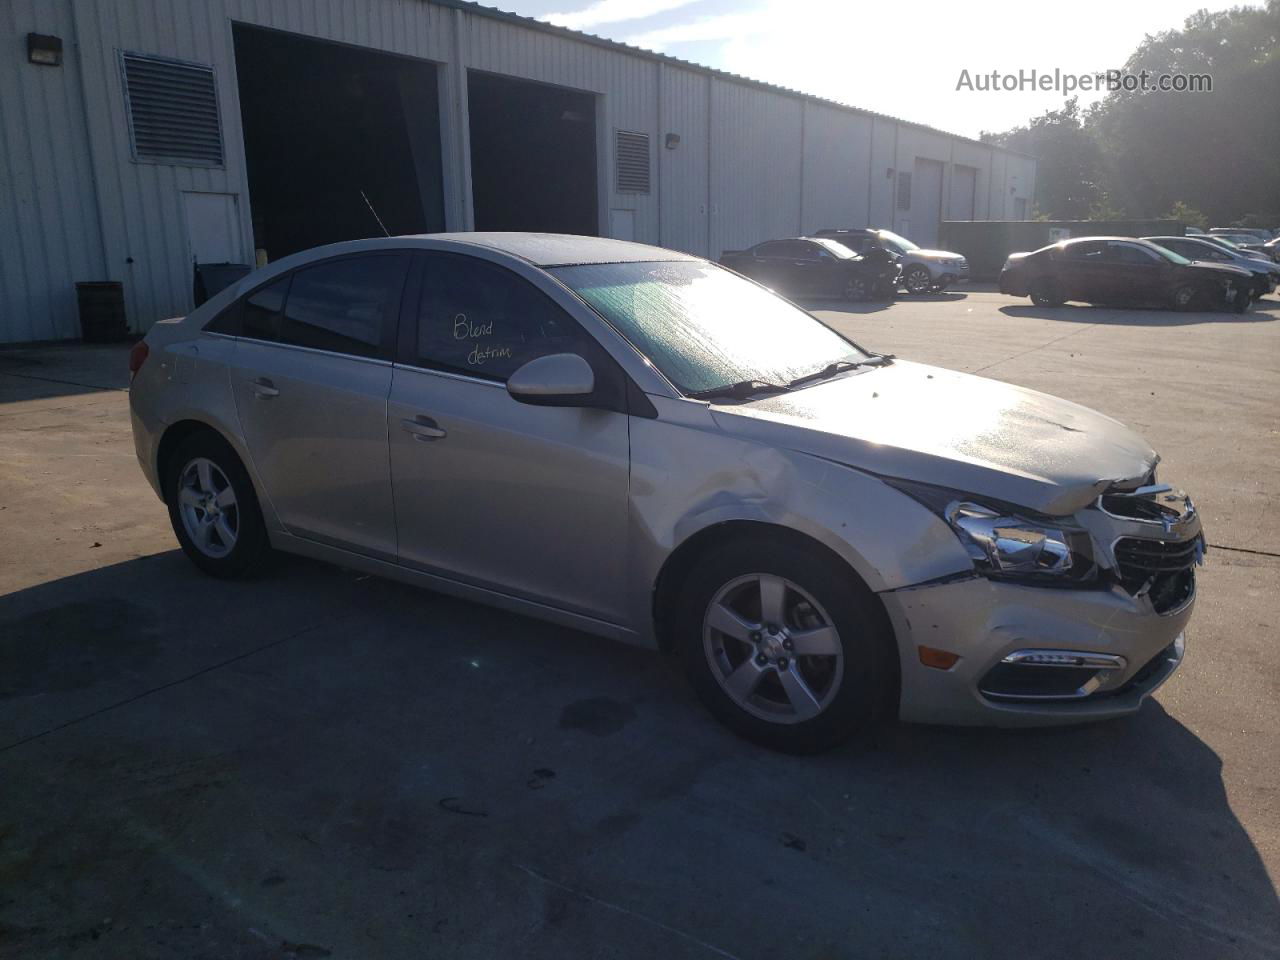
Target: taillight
137,357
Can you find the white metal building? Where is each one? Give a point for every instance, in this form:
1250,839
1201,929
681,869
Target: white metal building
138,136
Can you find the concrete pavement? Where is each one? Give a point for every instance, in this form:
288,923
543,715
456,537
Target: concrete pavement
318,763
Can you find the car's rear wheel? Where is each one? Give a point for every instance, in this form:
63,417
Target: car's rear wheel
1243,300
857,289
784,647
1185,297
917,280
213,507
1045,293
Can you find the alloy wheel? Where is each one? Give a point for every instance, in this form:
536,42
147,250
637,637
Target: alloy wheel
773,648
918,280
207,504
856,289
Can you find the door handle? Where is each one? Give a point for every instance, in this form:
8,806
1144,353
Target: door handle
264,389
423,428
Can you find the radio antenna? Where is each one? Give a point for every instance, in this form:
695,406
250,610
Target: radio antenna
385,231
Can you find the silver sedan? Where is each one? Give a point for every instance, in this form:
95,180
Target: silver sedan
637,443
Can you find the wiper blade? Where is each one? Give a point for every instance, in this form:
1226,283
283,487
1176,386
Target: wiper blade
880,359
742,390
830,370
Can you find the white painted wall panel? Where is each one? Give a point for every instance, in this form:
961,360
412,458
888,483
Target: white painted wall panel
755,166
50,234
683,171
836,168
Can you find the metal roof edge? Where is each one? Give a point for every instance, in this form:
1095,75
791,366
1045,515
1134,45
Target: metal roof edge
494,13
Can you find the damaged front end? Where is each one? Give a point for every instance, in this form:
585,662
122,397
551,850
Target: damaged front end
1085,623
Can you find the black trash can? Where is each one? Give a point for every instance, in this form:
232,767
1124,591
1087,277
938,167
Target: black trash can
102,317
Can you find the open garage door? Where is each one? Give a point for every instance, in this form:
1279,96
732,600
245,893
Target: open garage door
336,138
926,202
533,156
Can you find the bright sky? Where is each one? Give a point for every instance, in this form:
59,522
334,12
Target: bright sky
899,59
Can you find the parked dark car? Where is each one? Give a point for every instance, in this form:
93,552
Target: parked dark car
815,267
1265,273
1123,270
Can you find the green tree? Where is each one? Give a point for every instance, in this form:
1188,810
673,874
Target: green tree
1143,153
1187,215
1069,162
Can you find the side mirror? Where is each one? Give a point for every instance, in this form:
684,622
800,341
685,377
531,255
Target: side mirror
556,380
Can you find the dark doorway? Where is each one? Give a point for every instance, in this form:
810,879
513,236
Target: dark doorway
533,156
324,122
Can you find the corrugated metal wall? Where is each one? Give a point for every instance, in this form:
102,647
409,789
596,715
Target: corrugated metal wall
50,234
751,163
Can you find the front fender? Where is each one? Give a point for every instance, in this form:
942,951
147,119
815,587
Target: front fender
689,476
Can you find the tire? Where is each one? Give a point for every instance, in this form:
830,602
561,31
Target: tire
1185,297
857,289
1045,293
1243,301
917,279
222,533
787,701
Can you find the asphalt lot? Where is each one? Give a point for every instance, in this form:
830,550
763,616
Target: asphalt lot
320,764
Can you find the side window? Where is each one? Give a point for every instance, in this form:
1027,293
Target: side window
772,249
1128,253
1089,252
479,318
263,310
227,321
811,251
345,306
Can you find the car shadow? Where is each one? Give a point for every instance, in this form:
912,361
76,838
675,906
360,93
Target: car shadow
944,296
843,306
62,369
1125,315
218,766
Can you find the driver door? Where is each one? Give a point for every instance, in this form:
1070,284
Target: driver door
530,501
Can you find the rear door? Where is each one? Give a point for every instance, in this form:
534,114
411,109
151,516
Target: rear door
1083,271
311,374
530,501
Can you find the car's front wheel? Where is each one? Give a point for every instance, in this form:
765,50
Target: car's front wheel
857,289
1045,293
917,279
213,507
784,646
1185,297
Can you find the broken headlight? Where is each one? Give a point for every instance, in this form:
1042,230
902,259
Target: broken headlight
1008,545
1004,543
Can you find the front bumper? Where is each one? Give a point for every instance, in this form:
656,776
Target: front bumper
985,621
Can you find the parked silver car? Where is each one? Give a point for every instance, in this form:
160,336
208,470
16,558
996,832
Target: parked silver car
642,445
920,270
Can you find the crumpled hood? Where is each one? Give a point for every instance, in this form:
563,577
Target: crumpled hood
916,422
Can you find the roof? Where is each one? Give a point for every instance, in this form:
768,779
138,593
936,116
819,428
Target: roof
493,13
562,249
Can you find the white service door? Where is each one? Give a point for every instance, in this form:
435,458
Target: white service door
213,227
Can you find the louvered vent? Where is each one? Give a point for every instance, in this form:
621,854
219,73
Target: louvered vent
173,111
904,191
633,162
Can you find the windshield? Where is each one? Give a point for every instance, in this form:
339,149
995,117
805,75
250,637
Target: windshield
836,248
1167,253
899,245
706,328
